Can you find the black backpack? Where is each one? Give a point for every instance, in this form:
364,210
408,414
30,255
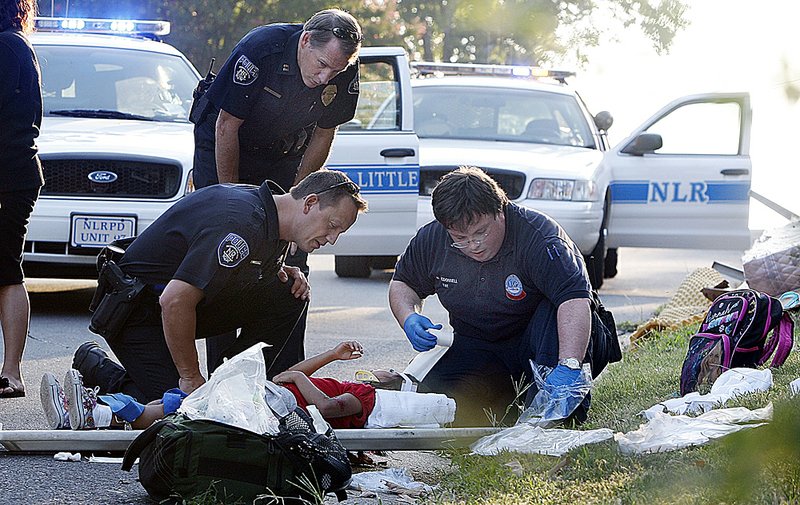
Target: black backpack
180,457
735,333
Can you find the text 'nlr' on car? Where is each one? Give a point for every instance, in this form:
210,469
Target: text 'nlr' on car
681,179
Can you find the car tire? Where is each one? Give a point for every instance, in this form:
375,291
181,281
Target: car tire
612,258
352,266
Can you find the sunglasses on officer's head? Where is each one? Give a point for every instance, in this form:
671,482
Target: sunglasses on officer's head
350,186
343,33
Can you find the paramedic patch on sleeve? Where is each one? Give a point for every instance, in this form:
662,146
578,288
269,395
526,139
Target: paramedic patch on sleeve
232,250
245,72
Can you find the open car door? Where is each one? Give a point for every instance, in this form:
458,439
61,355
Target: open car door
682,179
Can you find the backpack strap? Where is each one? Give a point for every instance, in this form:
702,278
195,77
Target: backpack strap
780,343
144,439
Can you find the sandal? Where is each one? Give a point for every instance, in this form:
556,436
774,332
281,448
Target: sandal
16,391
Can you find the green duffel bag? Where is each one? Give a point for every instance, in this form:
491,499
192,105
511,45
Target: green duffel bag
184,458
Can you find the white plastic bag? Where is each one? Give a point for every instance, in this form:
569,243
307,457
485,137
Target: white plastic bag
529,439
552,404
235,394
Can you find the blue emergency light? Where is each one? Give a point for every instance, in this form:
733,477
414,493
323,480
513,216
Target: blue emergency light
104,26
424,68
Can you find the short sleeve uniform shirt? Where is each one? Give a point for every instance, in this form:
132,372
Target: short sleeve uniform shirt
495,300
261,84
222,239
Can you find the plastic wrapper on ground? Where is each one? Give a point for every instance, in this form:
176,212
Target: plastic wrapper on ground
771,265
391,480
529,439
235,394
733,382
665,432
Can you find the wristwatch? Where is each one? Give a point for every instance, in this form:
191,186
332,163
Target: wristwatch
571,363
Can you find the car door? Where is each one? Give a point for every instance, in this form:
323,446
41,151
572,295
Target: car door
379,151
682,179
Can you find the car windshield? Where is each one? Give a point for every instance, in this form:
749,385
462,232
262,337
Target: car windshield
80,81
490,113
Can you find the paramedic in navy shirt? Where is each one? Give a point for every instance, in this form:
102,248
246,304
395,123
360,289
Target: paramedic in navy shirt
272,113
516,289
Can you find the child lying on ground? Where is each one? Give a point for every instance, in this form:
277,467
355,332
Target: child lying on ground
342,404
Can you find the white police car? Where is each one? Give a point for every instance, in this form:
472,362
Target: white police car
681,179
116,146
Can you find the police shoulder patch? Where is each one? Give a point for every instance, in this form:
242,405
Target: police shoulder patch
353,87
245,72
232,250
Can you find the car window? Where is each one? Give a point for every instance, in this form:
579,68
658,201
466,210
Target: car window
152,85
512,115
700,128
378,99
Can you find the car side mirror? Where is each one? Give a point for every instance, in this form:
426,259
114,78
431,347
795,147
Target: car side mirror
603,120
645,143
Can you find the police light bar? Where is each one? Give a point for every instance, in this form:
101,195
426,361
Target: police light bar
434,68
105,26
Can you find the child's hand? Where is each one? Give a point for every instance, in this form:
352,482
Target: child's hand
348,350
286,377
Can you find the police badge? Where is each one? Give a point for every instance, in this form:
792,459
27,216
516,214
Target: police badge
232,250
244,72
328,94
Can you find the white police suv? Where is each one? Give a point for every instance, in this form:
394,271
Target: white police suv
116,146
681,179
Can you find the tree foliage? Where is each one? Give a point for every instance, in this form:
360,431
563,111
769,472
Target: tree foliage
494,31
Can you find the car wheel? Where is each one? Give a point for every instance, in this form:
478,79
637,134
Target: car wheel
352,266
611,263
595,262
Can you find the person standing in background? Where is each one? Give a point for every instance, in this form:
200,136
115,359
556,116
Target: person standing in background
20,179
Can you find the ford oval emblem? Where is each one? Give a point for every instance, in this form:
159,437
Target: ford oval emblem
103,177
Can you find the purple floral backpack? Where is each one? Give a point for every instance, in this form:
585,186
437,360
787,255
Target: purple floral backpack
736,333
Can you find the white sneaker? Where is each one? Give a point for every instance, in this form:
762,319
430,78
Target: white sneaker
54,402
81,401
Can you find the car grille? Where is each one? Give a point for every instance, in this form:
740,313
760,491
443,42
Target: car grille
135,179
512,183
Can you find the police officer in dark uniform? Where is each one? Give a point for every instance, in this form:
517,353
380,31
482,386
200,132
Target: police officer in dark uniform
20,179
516,289
212,263
272,113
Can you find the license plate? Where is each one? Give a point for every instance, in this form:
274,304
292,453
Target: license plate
99,231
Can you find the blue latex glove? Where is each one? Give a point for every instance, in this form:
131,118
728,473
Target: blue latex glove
416,326
562,375
563,385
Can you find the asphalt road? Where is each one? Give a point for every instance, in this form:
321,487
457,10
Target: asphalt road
341,309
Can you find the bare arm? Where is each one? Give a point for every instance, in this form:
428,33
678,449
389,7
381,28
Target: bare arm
403,301
340,406
343,351
316,153
226,138
574,326
179,318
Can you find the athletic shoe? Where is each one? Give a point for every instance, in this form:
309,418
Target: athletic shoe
81,402
54,402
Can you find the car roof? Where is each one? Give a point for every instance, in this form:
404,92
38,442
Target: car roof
107,41
492,82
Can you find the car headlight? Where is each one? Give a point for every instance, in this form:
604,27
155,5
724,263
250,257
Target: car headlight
563,189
